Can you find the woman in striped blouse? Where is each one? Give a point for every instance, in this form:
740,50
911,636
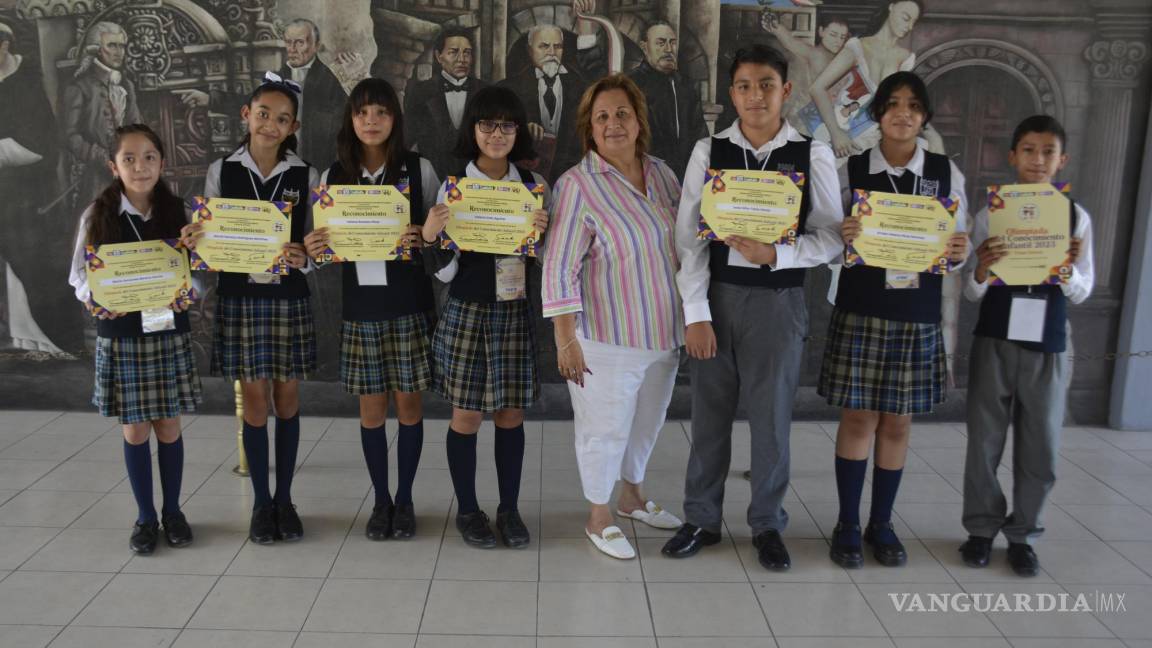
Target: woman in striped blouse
609,286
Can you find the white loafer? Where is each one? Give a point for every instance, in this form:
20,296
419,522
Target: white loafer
653,516
611,541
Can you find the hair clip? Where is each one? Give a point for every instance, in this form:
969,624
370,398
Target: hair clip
271,78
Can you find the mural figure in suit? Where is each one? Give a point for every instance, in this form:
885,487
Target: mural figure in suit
322,102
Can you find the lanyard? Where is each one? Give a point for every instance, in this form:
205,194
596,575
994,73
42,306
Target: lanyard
252,179
133,224
763,166
915,183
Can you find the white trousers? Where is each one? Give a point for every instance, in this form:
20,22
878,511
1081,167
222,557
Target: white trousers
619,412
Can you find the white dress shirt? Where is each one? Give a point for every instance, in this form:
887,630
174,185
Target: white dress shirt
455,100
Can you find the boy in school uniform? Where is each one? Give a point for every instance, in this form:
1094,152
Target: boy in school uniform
1019,383
745,312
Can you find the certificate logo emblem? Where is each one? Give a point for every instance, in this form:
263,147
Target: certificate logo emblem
1028,212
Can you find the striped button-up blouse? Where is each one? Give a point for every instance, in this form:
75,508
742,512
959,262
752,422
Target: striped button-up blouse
611,256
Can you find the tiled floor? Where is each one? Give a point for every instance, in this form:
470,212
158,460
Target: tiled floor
68,579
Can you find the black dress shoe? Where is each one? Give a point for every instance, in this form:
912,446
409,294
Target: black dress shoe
262,529
144,537
379,526
289,528
889,554
473,527
771,550
976,551
177,533
845,550
403,521
1022,559
688,541
512,529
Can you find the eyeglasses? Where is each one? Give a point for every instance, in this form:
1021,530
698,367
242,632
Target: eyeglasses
488,126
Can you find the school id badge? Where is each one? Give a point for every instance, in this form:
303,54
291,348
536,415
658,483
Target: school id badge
157,320
511,278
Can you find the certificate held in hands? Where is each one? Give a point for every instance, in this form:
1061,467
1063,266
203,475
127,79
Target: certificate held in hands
1034,222
902,232
761,205
491,216
131,277
246,236
365,222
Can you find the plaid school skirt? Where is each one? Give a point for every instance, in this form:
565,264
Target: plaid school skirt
258,337
485,355
141,379
882,365
386,356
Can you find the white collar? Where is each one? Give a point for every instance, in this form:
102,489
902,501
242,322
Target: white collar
11,64
877,163
540,73
784,135
126,206
113,76
365,173
306,66
473,171
453,80
242,156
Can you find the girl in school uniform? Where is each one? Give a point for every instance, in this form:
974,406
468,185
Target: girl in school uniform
145,371
484,347
263,333
885,356
389,309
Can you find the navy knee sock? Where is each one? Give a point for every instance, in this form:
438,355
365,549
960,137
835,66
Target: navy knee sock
885,484
287,443
138,460
375,444
255,439
408,447
170,456
461,450
509,464
849,486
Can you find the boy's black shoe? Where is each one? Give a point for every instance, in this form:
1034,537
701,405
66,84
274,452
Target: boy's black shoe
403,522
976,551
144,537
688,541
512,529
177,533
1022,559
845,550
289,528
473,527
890,553
771,551
379,526
262,529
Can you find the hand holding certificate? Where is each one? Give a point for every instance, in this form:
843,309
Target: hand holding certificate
247,236
902,232
1033,223
364,222
491,216
131,277
760,205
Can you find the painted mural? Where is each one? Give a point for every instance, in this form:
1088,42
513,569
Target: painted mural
72,70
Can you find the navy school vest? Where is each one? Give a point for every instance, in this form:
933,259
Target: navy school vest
236,181
131,324
409,289
793,156
861,289
997,304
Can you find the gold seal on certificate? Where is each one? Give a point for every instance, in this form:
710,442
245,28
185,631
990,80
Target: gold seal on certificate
131,277
492,216
761,205
1034,222
902,232
365,222
245,236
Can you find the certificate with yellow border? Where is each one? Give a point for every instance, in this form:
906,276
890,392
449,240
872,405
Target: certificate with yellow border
131,277
1034,222
492,216
365,222
245,236
761,205
902,232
